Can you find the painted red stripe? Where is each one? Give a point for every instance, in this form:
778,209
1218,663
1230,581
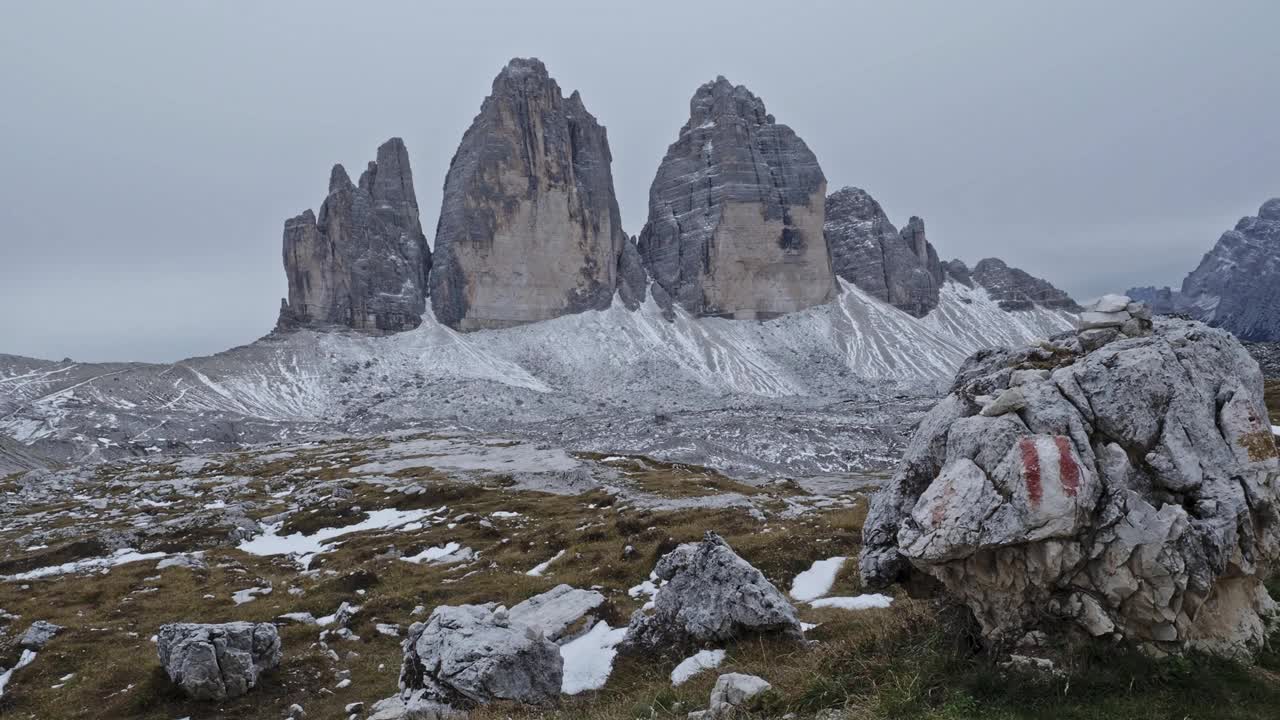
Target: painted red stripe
1031,470
1068,470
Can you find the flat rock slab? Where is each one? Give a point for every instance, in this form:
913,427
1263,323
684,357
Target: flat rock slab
556,610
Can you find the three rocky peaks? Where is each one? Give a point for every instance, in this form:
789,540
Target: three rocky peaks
739,226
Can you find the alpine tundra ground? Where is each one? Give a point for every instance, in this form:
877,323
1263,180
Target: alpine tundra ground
402,523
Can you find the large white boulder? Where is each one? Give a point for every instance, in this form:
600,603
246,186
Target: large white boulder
468,655
1135,492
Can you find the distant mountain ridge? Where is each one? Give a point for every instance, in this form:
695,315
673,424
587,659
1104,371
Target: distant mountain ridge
1236,285
749,287
597,375
739,226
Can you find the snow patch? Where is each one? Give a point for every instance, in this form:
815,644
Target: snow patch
243,596
120,557
817,580
696,663
304,548
588,660
23,661
444,555
541,568
857,602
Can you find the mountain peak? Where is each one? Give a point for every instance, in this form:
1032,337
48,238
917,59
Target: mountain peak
363,263
736,182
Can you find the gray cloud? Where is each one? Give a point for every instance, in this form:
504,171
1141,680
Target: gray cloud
151,151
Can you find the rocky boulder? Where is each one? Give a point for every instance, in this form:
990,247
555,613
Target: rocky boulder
710,594
363,263
38,635
529,226
216,662
1131,489
1237,284
900,268
736,213
468,655
732,696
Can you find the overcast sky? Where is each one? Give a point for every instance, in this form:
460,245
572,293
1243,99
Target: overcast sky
150,152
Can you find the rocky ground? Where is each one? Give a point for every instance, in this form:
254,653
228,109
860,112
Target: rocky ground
394,525
388,523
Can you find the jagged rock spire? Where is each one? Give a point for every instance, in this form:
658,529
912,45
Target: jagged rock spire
363,263
867,250
529,226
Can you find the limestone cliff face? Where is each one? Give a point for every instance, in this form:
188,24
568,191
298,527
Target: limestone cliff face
900,268
529,227
363,263
736,212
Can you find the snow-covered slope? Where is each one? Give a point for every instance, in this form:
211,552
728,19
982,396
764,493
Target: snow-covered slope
595,366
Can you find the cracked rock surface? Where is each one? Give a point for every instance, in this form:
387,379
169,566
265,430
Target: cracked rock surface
467,655
216,662
363,262
900,268
1133,492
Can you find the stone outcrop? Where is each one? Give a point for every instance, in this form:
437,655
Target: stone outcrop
1237,284
900,268
736,213
468,655
216,662
529,226
732,697
1112,317
1014,289
363,263
710,595
1126,486
38,635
